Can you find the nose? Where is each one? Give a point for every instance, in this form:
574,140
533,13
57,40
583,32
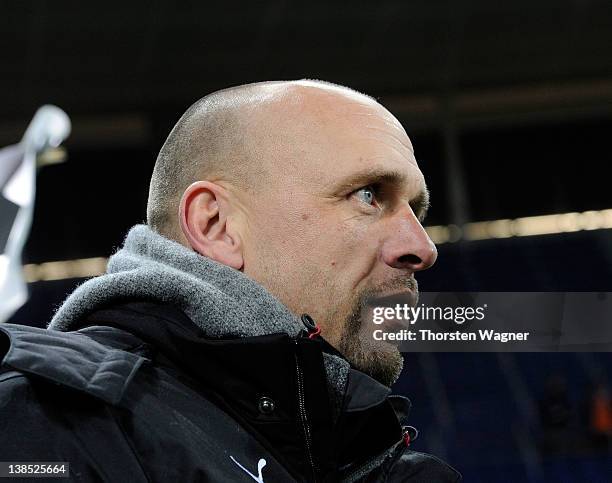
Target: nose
408,246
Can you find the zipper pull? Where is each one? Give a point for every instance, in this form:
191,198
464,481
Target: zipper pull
409,434
312,328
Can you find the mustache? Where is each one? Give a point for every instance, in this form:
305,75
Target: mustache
401,283
400,286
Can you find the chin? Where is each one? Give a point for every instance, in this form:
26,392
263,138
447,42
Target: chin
381,361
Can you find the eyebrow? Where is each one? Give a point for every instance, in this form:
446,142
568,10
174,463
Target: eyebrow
419,204
373,176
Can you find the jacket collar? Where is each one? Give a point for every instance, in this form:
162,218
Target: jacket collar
221,301
238,372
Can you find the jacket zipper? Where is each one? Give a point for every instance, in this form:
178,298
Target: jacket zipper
392,454
302,411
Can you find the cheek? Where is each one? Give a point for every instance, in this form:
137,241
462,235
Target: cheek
355,245
286,241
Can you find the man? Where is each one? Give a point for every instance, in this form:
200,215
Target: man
189,360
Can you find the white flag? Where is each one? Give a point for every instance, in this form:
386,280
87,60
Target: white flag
49,127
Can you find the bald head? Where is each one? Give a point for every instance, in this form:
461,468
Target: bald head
238,135
310,189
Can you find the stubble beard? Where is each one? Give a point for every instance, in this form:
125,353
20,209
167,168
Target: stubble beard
380,360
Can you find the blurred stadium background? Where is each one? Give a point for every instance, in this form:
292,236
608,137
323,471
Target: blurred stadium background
509,107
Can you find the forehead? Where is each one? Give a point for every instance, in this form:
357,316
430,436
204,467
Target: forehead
361,137
310,138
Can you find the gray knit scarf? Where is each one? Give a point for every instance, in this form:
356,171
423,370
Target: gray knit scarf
220,300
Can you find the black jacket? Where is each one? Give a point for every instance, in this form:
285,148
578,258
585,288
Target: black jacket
138,394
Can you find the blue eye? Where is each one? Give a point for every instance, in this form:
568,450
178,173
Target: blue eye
367,194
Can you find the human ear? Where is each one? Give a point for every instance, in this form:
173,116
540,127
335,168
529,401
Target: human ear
205,216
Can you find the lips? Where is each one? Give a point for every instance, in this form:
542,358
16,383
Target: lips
405,298
410,297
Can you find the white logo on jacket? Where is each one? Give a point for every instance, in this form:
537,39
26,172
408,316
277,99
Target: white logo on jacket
260,467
